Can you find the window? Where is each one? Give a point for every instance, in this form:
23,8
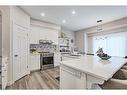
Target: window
113,44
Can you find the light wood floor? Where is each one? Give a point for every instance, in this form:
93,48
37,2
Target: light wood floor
45,79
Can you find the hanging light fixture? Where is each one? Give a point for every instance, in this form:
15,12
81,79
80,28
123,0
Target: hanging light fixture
99,27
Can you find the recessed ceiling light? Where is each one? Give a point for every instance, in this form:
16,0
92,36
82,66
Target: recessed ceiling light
73,12
64,21
42,14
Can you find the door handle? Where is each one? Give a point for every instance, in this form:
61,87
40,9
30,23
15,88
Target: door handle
15,55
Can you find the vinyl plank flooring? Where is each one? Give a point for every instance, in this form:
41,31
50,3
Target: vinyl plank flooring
45,79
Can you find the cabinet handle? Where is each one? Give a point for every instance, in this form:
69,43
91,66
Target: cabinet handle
15,55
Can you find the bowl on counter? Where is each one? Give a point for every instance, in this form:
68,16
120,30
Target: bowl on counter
105,57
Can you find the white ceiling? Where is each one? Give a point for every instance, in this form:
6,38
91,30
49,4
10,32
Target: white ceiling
86,16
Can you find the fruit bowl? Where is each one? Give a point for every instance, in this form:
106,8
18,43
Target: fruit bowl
105,57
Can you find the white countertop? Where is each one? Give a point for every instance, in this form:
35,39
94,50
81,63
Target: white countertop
35,53
96,67
64,58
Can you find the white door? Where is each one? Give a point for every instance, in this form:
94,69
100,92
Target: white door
20,52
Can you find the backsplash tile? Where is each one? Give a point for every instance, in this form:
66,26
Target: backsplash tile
43,48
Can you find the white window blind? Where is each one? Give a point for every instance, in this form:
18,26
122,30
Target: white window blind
113,44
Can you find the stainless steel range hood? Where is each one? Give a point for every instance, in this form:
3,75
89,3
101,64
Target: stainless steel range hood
45,41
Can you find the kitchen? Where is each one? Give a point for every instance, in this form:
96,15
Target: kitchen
44,51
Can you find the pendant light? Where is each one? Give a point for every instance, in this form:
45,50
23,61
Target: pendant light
99,27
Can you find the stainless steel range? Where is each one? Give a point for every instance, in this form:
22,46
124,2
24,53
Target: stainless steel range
46,60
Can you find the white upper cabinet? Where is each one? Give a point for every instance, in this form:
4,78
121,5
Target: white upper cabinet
34,35
49,34
43,33
53,35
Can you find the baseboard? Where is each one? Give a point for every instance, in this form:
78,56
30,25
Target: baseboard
10,83
34,70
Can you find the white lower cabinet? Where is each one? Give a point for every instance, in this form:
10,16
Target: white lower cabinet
71,78
57,59
34,62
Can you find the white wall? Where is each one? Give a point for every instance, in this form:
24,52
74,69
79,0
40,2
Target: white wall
90,45
20,17
79,41
5,11
114,26
70,34
0,35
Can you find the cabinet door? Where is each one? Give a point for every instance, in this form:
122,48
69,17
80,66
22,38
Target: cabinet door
38,61
53,35
34,62
43,33
49,34
57,57
70,79
37,33
34,35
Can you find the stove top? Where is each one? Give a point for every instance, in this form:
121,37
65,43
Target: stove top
47,54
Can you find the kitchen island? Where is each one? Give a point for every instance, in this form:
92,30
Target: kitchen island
87,70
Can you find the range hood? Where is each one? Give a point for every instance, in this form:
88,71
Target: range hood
45,41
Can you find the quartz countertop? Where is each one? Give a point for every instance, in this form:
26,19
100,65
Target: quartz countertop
69,57
96,67
35,53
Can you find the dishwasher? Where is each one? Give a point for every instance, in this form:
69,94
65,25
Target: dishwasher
71,78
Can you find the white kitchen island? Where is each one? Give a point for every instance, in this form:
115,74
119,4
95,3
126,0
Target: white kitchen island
83,72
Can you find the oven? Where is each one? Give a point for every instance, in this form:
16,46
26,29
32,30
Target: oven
46,61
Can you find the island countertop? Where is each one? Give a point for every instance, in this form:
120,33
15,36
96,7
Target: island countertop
94,66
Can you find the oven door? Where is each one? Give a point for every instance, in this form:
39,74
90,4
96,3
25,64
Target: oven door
47,60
